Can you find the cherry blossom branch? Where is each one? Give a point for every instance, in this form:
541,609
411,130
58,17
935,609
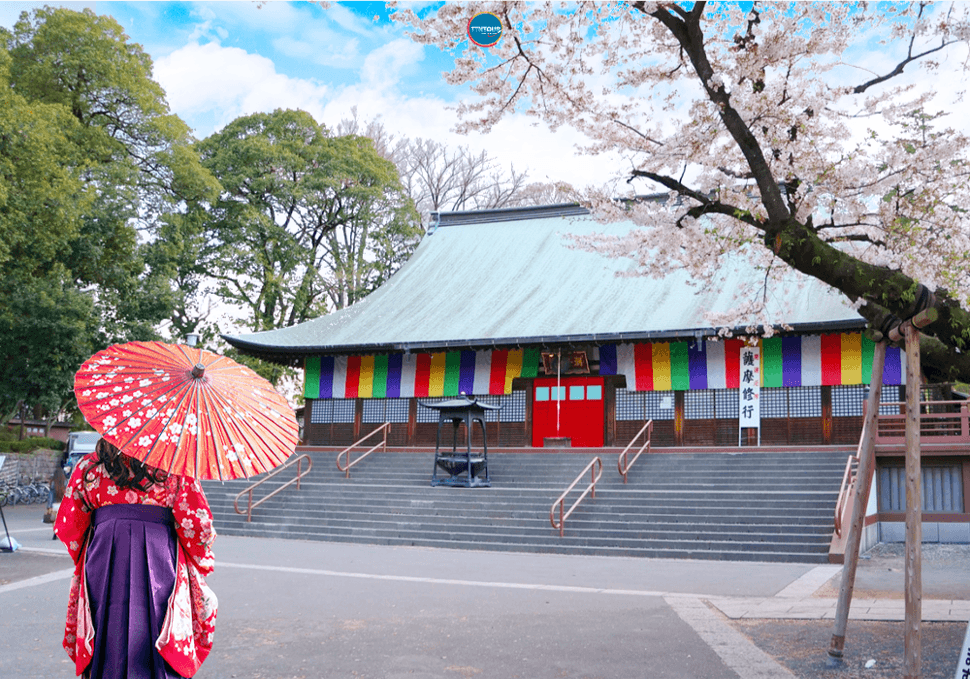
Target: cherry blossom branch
687,30
910,58
637,132
706,207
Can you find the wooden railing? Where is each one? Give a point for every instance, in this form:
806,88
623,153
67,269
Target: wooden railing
849,480
386,427
595,467
250,505
845,492
940,422
621,463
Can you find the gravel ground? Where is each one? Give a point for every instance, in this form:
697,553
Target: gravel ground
802,647
880,573
932,553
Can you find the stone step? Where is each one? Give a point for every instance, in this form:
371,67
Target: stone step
728,506
660,502
611,522
588,528
574,535
670,550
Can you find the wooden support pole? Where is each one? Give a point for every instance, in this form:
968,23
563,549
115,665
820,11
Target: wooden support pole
867,462
914,509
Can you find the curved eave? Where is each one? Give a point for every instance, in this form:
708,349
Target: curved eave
293,356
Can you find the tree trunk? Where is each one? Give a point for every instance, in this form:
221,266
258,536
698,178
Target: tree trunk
887,294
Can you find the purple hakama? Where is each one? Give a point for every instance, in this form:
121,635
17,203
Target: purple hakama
130,572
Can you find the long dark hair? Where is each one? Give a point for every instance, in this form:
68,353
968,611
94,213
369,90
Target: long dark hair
125,471
59,483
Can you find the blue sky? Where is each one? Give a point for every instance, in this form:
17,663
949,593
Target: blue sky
220,60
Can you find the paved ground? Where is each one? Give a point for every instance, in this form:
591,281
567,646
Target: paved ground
293,609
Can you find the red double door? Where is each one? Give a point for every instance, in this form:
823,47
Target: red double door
580,416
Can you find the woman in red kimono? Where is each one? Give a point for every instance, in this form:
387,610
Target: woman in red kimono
141,541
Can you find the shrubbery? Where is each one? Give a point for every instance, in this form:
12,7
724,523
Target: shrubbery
10,444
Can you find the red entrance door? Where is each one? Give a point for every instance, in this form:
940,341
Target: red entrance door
580,406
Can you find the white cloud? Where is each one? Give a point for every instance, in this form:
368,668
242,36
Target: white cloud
384,66
218,84
210,85
322,47
516,141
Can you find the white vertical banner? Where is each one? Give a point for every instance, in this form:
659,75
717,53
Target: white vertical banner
963,662
749,393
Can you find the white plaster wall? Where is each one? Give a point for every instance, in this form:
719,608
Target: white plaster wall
895,531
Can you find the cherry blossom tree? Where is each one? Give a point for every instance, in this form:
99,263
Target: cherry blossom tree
801,135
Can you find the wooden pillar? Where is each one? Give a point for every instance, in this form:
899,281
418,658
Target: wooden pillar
609,412
867,462
358,417
826,415
412,425
966,487
914,510
530,397
679,406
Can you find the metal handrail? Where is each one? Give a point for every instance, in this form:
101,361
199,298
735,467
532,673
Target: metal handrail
590,489
622,465
848,481
299,475
386,427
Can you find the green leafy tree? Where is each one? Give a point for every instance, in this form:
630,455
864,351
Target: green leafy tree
91,164
47,329
306,222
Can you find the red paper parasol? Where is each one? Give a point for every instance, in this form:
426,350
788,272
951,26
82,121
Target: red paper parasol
186,410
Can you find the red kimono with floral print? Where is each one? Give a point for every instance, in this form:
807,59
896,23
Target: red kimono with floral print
189,624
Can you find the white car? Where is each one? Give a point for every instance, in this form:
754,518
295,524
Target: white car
79,444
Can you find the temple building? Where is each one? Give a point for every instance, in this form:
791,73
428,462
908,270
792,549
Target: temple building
496,304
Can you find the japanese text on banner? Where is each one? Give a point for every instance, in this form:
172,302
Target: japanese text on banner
749,394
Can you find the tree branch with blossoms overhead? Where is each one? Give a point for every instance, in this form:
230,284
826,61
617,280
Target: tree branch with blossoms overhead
754,122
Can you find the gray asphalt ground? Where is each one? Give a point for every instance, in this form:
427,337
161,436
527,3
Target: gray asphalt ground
293,609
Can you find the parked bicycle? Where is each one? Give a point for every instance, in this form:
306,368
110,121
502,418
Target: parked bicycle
10,494
38,492
34,492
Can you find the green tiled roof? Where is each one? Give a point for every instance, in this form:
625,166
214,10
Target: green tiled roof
506,278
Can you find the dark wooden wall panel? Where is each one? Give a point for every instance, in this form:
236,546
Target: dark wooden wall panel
330,434
700,432
696,432
807,431
663,432
846,430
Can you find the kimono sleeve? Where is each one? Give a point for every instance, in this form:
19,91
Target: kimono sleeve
193,523
74,515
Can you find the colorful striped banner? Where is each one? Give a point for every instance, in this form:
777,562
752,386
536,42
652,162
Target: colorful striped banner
833,359
418,375
836,359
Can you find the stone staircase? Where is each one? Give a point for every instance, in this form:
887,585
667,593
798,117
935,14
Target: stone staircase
761,506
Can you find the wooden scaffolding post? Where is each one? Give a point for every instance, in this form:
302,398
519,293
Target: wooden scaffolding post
914,509
867,462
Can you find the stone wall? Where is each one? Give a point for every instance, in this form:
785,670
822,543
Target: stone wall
39,464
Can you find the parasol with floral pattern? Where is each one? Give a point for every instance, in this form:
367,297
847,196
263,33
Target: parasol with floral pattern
186,410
